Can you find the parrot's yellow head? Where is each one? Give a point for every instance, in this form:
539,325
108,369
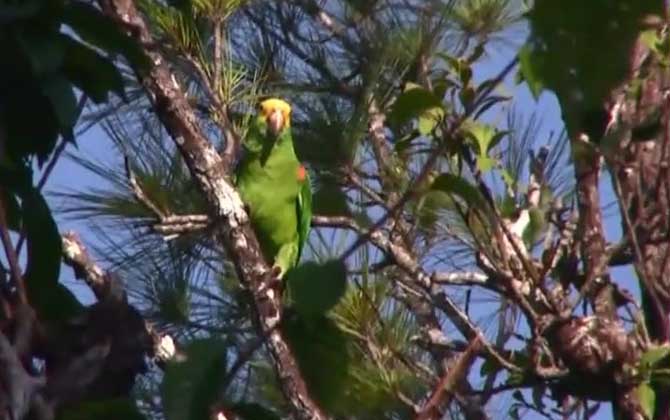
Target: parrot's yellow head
276,113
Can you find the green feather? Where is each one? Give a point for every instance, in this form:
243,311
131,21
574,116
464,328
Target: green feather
304,212
279,202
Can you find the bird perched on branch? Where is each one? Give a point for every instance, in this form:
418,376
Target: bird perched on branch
275,187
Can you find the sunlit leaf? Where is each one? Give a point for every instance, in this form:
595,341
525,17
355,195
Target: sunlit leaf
416,102
647,397
652,357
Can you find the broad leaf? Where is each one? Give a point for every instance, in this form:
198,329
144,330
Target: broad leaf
330,200
96,28
44,50
64,103
314,288
12,209
652,357
483,136
95,75
647,398
416,102
320,348
43,242
190,387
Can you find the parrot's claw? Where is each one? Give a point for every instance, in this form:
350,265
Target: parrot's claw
276,272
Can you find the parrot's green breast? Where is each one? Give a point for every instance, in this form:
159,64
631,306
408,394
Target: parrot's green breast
270,186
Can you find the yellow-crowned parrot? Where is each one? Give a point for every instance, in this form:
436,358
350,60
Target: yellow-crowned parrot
275,187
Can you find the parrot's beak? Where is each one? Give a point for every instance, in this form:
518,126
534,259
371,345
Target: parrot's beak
276,122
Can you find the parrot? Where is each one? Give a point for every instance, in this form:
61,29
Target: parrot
274,187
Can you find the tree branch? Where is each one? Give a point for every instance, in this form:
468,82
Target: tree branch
209,173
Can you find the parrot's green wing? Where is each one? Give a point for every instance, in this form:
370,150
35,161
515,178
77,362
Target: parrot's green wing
304,208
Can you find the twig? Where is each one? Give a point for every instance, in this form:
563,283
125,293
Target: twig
139,193
412,190
51,165
180,224
402,257
446,386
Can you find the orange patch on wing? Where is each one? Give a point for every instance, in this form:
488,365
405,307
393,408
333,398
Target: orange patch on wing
302,173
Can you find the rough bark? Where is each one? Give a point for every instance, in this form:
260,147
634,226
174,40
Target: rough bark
209,173
640,167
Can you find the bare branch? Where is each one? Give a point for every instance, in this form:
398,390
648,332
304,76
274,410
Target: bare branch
447,386
139,193
103,286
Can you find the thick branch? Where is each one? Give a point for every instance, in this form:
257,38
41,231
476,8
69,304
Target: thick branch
225,206
591,224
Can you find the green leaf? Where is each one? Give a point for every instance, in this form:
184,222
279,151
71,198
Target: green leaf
429,119
652,358
321,350
314,288
97,29
113,409
405,142
64,102
25,136
485,163
190,386
95,75
458,186
483,136
647,397
430,205
43,242
489,367
57,304
459,66
330,200
416,102
44,50
12,209
508,179
530,70
52,300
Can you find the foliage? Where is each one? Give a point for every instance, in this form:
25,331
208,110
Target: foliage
446,216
